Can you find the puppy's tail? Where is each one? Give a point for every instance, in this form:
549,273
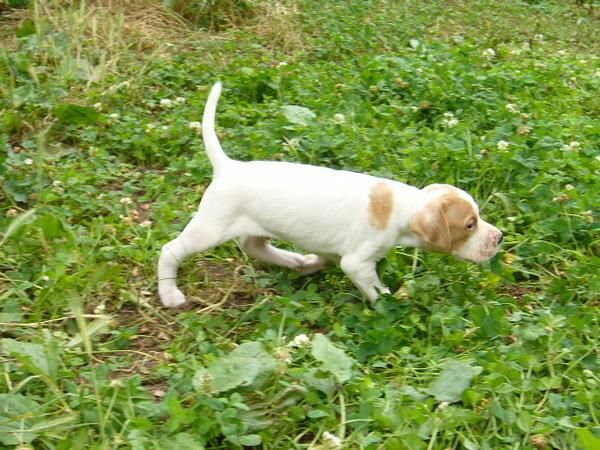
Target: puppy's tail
217,156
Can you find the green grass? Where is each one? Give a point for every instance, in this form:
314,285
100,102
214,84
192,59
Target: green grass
96,174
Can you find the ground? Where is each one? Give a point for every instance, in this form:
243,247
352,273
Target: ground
102,163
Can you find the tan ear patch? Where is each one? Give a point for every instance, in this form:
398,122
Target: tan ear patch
381,205
442,223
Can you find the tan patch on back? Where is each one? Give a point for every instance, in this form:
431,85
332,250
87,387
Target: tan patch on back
381,205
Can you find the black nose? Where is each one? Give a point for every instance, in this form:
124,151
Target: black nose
500,238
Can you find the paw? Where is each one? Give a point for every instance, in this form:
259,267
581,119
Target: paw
172,299
312,263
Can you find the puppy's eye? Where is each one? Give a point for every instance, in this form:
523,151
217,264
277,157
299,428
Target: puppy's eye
471,225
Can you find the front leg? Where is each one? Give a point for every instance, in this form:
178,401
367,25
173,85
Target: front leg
364,276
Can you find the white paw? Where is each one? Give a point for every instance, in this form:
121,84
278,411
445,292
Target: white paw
311,263
172,299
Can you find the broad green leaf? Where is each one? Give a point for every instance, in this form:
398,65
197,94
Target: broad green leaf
34,356
249,364
587,440
93,328
325,384
17,223
452,382
17,413
333,359
298,115
76,114
250,439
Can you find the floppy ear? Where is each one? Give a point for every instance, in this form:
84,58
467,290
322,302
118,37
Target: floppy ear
430,224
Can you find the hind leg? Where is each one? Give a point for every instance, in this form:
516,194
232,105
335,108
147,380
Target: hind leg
210,227
262,250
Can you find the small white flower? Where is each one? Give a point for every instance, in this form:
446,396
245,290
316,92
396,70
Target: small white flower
339,118
97,106
116,383
489,53
443,406
166,103
114,116
100,309
195,126
452,123
146,223
56,183
299,341
511,107
282,354
331,441
502,145
538,37
126,201
449,120
45,278
282,64
569,187
571,146
28,161
164,128
180,100
11,212
561,53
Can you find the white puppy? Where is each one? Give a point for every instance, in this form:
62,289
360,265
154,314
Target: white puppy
338,215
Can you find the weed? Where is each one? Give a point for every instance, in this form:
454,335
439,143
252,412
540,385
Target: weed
101,163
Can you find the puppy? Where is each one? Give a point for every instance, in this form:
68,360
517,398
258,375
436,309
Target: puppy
335,214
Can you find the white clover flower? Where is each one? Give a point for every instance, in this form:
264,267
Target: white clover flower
331,441
100,309
126,201
282,354
97,106
339,118
489,53
45,278
56,183
114,116
282,64
571,146
443,406
28,161
538,37
449,120
180,100
166,103
452,123
146,223
511,107
165,128
195,126
11,212
502,145
299,341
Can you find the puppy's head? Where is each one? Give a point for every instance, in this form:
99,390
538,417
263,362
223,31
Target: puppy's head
449,222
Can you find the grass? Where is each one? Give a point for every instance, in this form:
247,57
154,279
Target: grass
97,171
